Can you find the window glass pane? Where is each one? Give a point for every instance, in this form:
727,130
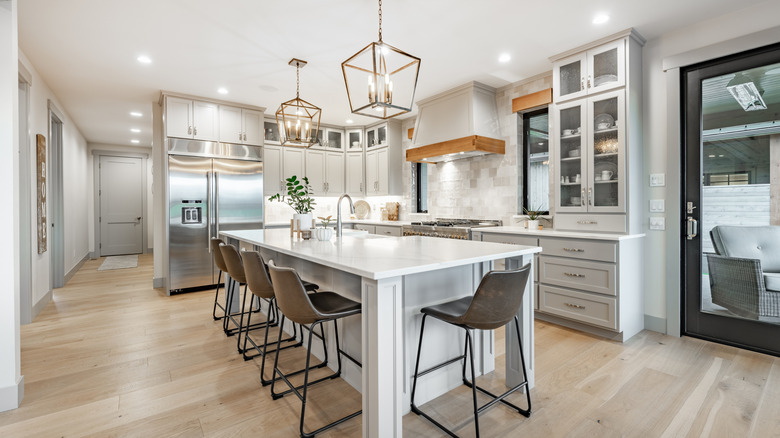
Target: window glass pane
536,172
420,187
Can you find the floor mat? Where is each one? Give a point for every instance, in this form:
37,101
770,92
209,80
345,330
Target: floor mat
119,262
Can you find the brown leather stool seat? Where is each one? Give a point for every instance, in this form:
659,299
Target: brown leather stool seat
314,309
495,304
259,283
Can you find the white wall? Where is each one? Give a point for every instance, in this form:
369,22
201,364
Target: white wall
661,250
76,189
11,383
148,215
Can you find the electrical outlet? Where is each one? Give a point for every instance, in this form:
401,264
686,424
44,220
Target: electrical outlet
657,180
657,223
656,205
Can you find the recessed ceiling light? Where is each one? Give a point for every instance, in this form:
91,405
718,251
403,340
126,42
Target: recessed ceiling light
600,19
721,156
505,57
136,114
134,141
222,90
711,156
143,59
136,130
350,121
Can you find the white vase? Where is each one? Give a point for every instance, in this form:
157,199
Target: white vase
532,225
305,220
323,233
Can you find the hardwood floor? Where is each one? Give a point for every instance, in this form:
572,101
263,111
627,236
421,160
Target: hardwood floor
110,356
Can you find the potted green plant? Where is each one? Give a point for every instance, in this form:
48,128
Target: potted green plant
533,216
324,233
299,198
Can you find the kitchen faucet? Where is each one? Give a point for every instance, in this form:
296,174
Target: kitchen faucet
338,211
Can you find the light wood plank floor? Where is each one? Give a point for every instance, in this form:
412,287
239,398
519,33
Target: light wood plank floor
110,356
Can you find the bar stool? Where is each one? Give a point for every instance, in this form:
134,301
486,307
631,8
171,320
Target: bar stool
259,282
313,309
495,303
235,270
220,262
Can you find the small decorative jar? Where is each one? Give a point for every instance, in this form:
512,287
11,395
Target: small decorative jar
323,233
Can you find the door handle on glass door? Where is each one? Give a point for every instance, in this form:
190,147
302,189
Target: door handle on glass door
692,226
590,195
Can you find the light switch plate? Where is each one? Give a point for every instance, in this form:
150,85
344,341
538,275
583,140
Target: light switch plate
657,223
657,180
656,205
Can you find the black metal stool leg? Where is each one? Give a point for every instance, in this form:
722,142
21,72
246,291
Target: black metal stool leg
470,348
241,321
228,302
216,298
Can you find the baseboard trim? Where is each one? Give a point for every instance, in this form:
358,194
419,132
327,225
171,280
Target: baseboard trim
655,324
11,396
75,269
41,304
158,282
597,331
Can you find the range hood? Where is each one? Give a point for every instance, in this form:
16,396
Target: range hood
459,123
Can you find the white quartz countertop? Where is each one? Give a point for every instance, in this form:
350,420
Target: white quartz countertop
377,257
555,233
346,221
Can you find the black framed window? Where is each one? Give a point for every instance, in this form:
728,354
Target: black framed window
536,161
420,187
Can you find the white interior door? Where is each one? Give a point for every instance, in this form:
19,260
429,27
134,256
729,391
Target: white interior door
121,205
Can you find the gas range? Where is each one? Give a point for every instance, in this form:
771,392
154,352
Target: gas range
448,228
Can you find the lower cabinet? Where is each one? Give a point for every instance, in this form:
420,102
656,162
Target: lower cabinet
384,230
586,283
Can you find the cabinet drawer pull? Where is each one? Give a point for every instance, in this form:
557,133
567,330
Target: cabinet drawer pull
574,249
584,222
195,130
189,130
576,306
569,274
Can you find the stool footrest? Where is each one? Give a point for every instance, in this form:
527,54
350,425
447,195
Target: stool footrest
441,365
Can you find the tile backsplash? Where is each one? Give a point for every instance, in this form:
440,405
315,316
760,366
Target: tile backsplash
279,212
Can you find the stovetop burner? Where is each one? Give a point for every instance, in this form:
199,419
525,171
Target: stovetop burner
449,228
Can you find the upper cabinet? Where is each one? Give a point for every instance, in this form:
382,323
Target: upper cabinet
212,121
271,132
240,125
376,136
598,69
596,136
354,139
185,118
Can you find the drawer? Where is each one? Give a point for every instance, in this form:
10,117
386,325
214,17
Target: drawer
510,238
387,230
604,223
580,249
577,274
580,306
370,228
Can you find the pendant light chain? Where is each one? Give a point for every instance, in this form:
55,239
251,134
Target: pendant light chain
380,21
298,81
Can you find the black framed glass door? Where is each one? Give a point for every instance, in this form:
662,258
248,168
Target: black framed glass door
731,200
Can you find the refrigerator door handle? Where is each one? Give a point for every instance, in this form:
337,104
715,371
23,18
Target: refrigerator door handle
208,209
216,202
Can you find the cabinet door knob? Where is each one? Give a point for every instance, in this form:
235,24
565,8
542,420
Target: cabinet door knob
196,130
590,196
189,130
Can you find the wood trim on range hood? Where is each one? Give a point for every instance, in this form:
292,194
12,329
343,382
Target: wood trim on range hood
470,146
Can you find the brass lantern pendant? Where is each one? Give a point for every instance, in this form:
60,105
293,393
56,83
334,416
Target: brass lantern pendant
298,120
381,80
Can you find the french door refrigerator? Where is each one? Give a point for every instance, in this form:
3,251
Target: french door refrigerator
206,196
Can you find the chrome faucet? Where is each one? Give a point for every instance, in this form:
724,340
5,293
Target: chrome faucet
338,211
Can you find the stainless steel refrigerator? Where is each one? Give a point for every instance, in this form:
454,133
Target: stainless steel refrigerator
206,196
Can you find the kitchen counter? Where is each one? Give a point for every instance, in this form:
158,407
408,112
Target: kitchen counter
556,233
393,278
345,221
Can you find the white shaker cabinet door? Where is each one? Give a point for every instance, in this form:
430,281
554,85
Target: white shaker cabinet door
293,163
178,117
354,174
252,121
205,117
372,176
315,171
334,164
273,182
230,124
383,176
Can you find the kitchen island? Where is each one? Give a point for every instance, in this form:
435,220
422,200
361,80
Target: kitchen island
393,278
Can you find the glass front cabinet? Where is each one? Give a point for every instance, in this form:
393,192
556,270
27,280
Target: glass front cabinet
596,70
596,136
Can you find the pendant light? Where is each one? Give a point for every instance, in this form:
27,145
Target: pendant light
299,121
381,79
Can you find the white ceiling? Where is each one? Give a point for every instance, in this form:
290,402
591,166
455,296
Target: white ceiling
86,50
